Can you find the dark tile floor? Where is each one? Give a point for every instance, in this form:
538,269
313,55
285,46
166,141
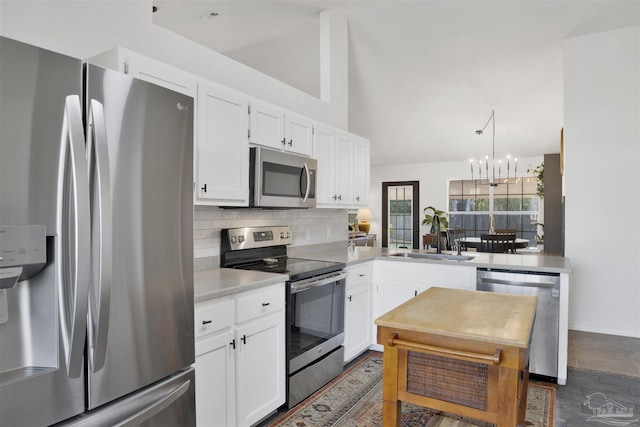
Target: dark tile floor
604,364
598,363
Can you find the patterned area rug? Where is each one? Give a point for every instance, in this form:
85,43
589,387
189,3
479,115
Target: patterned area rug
354,399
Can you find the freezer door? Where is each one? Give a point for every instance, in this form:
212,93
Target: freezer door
141,311
168,403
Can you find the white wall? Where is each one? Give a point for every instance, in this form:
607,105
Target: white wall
85,28
294,59
602,180
434,184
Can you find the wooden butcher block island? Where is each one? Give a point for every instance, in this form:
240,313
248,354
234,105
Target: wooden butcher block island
463,352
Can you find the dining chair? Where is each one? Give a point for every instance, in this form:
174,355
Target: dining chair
505,230
498,242
454,234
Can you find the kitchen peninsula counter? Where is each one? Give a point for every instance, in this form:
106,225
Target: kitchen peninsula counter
218,282
516,262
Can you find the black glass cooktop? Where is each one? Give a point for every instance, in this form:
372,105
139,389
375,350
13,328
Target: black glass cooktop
296,268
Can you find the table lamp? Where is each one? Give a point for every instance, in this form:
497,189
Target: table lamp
364,215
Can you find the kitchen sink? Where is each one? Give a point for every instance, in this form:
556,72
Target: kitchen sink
445,257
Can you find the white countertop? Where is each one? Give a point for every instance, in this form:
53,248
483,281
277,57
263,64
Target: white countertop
522,262
218,282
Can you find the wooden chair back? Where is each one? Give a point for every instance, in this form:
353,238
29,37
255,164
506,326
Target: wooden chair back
454,234
498,242
505,231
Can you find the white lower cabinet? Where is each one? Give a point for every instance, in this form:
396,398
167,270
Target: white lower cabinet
215,381
397,282
240,357
358,310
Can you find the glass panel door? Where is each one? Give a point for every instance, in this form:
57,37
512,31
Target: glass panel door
400,215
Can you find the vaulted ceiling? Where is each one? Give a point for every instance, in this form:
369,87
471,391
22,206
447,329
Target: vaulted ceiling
423,75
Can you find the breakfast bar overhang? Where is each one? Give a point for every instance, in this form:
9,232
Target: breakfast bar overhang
458,351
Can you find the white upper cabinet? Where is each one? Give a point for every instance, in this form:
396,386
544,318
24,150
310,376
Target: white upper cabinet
222,156
148,69
361,171
275,128
325,150
224,126
343,168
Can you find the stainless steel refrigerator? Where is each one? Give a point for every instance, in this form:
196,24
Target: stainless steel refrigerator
96,245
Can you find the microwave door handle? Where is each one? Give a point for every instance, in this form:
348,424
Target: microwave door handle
100,290
73,243
306,193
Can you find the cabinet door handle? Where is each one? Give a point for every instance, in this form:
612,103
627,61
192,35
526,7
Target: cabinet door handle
290,142
206,322
233,344
335,197
284,141
264,304
357,198
349,298
244,339
415,293
361,274
204,188
340,197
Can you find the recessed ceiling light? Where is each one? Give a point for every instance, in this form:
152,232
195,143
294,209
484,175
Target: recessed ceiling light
209,15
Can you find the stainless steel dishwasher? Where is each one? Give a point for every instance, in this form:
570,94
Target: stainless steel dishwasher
543,359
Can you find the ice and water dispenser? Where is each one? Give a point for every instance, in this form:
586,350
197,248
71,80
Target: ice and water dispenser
23,253
28,312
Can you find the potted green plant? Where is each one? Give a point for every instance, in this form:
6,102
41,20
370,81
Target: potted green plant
430,214
538,173
539,233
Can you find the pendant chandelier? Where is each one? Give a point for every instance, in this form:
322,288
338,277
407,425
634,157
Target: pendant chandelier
492,178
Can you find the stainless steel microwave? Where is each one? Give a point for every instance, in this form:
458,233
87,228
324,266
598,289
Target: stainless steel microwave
281,180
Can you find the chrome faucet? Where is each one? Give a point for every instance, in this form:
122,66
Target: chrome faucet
436,220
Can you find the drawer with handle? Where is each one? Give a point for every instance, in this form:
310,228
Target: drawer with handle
213,316
260,302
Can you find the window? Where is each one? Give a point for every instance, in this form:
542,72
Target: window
515,205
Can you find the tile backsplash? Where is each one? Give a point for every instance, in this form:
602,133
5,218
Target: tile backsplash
308,227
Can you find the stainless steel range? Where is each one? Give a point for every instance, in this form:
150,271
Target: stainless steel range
315,304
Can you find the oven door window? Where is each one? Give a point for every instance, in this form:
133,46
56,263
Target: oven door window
285,181
316,316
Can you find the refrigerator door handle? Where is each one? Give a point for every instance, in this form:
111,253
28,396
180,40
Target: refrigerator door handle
73,243
101,229
154,408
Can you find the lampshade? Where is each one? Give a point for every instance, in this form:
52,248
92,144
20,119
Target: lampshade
364,214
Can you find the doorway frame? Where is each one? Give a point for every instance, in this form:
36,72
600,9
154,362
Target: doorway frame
414,213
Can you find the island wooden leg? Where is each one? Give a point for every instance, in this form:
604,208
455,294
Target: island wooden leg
508,398
391,406
524,388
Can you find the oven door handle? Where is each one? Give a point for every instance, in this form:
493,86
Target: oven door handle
316,281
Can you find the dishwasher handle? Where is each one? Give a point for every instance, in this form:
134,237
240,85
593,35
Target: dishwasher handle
523,283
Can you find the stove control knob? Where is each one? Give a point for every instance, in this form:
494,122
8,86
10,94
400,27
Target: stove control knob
233,239
282,235
240,239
